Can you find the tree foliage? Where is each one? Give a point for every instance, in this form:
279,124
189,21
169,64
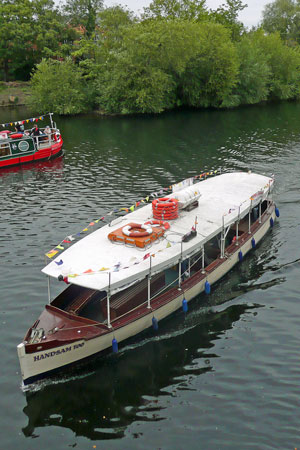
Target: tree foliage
283,16
254,73
178,53
59,87
284,64
211,72
29,31
83,13
176,9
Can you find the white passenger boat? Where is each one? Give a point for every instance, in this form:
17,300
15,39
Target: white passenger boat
130,274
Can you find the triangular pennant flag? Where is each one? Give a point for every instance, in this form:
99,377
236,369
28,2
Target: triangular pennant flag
88,271
85,229
73,275
91,224
52,253
103,268
60,247
147,199
71,238
146,256
66,241
131,208
59,263
168,245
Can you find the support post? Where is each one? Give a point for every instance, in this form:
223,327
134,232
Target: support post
108,302
51,121
179,271
203,262
149,285
250,210
259,213
49,295
223,239
237,229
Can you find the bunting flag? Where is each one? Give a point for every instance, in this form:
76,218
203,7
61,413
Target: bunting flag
33,119
51,253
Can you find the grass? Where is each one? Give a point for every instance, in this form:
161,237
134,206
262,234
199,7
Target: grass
14,93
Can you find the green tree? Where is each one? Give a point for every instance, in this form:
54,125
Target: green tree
59,87
211,73
176,9
227,15
283,62
283,16
254,73
16,35
112,23
142,74
83,13
30,30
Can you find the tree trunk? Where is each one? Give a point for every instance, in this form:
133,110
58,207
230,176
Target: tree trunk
6,70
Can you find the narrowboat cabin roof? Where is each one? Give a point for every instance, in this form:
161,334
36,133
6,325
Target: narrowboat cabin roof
97,263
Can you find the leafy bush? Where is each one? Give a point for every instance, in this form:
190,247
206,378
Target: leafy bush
283,62
212,71
254,73
59,87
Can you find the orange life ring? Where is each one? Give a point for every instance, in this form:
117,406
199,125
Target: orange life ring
165,208
141,230
162,203
161,223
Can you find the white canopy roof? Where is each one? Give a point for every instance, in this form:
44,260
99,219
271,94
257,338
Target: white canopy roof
223,199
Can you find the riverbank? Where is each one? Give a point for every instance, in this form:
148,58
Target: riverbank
14,93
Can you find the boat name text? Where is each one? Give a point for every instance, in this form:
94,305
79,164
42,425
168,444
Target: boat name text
57,352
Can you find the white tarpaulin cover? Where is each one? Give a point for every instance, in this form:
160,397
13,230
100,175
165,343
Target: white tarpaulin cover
223,199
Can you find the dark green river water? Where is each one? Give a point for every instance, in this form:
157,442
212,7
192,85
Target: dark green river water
223,376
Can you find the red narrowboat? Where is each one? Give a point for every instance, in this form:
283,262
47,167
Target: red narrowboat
26,146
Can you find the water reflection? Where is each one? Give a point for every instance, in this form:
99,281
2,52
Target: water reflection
26,171
115,391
